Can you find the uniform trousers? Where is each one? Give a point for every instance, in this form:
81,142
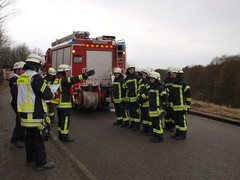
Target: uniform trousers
64,115
35,147
180,120
120,111
157,125
18,131
132,108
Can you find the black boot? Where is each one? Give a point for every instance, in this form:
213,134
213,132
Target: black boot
131,125
45,166
136,126
181,136
176,134
167,126
144,129
150,131
157,138
172,127
19,143
125,124
119,122
66,138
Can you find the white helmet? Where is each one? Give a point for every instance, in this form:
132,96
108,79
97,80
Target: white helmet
117,70
52,71
155,75
177,70
19,65
34,58
146,70
130,66
16,65
137,69
150,69
63,68
170,68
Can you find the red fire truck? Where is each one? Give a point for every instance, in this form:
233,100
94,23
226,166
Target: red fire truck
83,53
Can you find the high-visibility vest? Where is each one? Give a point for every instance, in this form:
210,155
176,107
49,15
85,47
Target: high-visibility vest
26,99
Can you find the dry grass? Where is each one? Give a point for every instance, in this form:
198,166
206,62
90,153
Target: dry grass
216,109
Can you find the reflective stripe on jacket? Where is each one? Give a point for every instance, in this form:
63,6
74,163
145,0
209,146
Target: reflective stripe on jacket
157,97
64,92
143,87
180,95
131,85
118,91
32,93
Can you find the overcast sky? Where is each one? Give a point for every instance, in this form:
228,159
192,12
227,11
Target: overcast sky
158,33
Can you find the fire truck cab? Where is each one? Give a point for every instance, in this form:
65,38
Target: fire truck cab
83,53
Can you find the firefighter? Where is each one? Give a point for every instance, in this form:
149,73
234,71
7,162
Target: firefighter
65,100
144,104
157,98
118,96
131,85
138,71
50,78
169,122
180,96
19,131
32,91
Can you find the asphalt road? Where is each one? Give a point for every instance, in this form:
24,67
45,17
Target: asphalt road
211,150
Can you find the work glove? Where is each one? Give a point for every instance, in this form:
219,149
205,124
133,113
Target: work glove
90,73
45,133
45,128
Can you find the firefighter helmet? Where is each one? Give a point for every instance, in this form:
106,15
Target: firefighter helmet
170,68
131,66
117,70
16,65
52,71
63,68
137,69
177,70
155,75
146,70
21,64
34,58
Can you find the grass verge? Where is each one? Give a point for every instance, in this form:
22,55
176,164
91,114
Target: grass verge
216,109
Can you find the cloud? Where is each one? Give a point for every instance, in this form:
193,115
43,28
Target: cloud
159,31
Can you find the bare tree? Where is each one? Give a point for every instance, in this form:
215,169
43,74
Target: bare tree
37,51
7,10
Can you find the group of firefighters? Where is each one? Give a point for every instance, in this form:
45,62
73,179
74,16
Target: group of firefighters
32,100
141,99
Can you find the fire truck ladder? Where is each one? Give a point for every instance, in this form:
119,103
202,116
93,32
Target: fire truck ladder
120,49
